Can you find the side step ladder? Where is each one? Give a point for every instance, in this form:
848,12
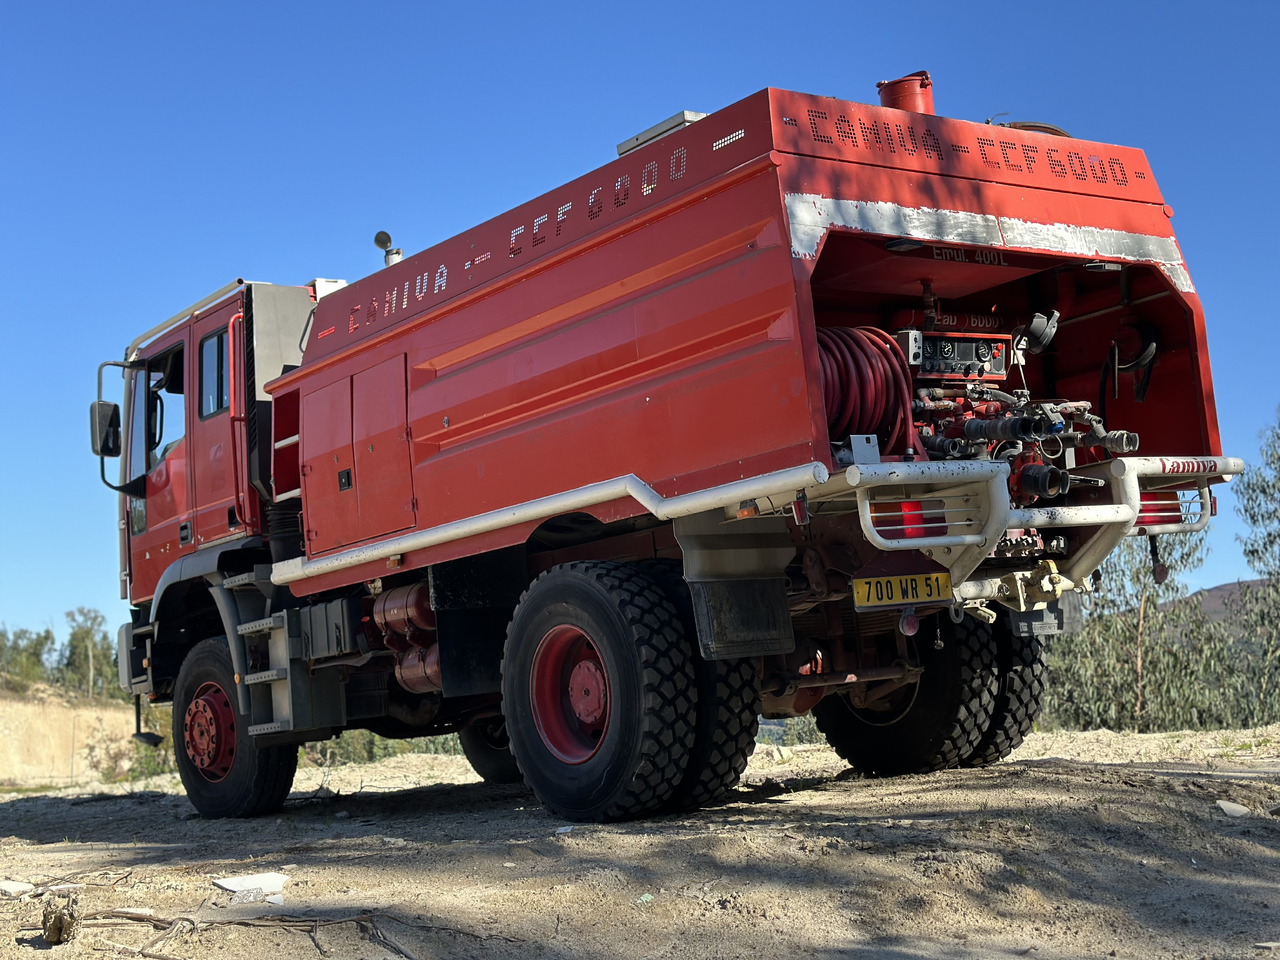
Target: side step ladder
289,695
270,693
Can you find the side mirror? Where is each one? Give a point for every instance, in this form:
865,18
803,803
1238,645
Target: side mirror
104,428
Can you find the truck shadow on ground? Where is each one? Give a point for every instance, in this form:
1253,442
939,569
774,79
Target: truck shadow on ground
823,865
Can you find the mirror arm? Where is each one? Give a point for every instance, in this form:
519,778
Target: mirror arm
136,488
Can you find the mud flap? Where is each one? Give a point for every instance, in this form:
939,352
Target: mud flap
742,618
736,572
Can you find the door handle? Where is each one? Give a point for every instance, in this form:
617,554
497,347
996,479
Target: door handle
184,532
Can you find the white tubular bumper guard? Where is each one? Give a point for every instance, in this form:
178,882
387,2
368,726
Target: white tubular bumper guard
782,484
980,484
961,508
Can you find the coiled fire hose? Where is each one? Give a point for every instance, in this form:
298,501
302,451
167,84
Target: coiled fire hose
866,386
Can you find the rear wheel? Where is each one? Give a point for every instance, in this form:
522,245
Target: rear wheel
1019,692
728,716
929,725
488,750
224,773
598,692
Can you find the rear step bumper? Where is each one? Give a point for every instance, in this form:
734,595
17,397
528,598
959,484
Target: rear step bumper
957,511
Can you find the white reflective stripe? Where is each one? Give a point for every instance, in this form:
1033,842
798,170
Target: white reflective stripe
779,483
1178,276
812,215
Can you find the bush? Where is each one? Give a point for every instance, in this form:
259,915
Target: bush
790,732
22,658
118,761
1186,674
362,746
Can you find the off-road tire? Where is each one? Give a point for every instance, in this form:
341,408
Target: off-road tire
488,749
636,632
260,777
728,705
934,724
1019,692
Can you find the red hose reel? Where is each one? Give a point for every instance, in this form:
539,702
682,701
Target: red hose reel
866,386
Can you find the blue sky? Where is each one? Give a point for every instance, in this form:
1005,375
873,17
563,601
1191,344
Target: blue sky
153,152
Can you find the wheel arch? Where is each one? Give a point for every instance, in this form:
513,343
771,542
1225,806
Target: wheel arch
190,605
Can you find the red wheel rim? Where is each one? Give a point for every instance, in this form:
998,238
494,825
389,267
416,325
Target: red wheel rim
209,732
569,694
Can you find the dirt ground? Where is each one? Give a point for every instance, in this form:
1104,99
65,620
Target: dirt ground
1082,845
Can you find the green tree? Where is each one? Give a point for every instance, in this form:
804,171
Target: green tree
1148,657
1255,609
1256,492
1255,625
89,664
23,658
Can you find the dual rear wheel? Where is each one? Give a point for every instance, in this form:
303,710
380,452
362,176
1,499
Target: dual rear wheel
977,698
610,711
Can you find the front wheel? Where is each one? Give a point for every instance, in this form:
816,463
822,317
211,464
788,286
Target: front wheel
224,773
598,692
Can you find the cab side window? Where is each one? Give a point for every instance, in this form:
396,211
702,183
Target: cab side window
215,378
168,412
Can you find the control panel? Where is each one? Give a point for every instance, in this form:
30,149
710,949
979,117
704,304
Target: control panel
957,356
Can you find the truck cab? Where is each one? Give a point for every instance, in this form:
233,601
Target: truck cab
194,478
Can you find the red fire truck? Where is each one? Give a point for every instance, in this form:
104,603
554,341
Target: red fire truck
805,405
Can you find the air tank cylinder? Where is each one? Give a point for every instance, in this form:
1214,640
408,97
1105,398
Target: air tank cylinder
406,613
418,671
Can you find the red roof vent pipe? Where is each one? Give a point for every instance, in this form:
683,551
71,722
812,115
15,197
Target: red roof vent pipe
913,92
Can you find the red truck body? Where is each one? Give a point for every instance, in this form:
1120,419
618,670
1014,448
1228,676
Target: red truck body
626,322
647,363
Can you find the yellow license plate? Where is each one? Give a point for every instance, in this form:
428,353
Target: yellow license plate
903,591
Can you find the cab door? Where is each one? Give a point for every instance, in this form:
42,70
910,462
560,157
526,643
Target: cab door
215,464
160,523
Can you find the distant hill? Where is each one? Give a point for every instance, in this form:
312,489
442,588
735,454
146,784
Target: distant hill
1214,600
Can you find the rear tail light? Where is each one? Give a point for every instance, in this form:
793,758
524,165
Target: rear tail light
909,519
1159,507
